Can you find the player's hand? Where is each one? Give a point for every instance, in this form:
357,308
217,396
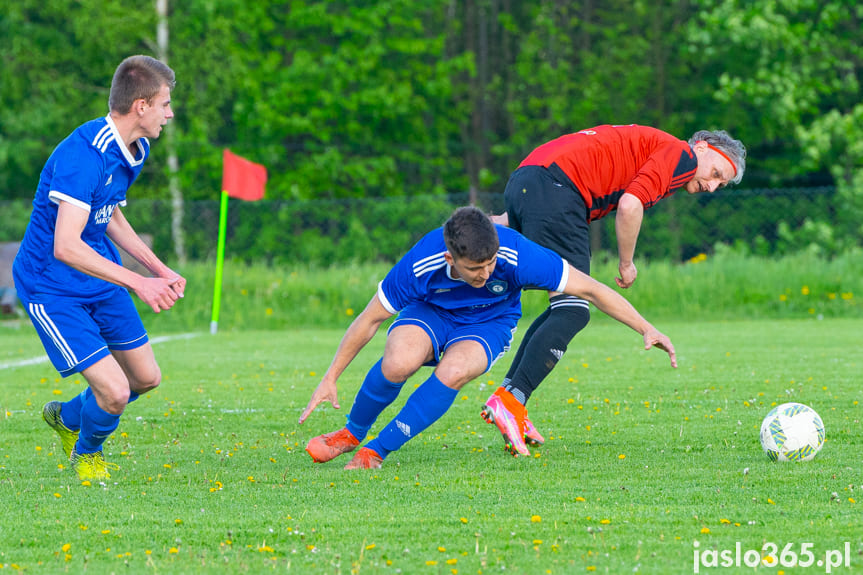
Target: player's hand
502,219
628,272
158,293
654,338
326,391
178,284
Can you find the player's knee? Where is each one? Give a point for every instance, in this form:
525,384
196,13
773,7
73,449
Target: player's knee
395,369
569,315
454,375
148,381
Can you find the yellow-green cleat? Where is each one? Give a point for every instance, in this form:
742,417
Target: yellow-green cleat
91,466
51,415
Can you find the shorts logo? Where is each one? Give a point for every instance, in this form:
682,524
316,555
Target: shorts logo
110,179
496,287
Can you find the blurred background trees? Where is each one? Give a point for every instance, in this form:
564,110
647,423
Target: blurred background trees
350,99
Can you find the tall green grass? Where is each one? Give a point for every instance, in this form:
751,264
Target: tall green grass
726,286
641,462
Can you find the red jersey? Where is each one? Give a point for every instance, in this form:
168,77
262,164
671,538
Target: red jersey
607,161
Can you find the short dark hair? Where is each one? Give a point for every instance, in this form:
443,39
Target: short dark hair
138,77
734,149
469,234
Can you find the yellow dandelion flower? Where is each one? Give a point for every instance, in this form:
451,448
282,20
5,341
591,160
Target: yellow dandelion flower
442,549
57,495
66,547
580,498
725,521
452,561
178,521
173,550
783,297
269,311
370,546
705,530
851,500
105,531
463,519
622,456
349,311
804,290
535,519
770,501
431,563
605,521
537,541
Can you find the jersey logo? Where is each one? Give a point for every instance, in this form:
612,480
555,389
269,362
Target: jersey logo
496,287
110,179
103,214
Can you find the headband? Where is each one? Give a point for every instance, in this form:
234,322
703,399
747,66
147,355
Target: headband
724,155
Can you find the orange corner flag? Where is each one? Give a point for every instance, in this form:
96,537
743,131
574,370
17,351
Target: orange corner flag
241,178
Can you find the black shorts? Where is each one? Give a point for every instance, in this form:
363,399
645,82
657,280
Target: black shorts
548,210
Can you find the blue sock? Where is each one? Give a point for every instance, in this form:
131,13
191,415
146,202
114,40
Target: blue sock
70,412
376,393
96,426
425,406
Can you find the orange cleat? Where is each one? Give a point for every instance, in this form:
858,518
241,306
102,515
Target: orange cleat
531,435
508,414
330,445
365,459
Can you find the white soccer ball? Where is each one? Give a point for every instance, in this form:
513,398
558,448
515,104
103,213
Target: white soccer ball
792,432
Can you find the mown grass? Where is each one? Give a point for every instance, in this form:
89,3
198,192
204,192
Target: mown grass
641,461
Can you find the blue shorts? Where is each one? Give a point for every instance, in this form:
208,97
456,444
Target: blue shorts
495,336
76,334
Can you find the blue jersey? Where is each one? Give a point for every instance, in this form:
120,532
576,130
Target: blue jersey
424,275
91,169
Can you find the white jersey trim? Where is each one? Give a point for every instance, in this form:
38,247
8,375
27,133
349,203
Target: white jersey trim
565,278
429,264
103,139
58,197
384,301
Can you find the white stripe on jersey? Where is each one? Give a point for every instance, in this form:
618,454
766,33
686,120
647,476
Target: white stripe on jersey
429,264
99,140
508,254
38,312
106,142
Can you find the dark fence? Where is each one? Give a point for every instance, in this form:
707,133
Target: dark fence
766,222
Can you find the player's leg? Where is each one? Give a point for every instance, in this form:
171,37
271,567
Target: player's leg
552,213
408,347
462,362
140,367
72,340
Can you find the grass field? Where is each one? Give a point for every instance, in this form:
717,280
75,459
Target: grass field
641,462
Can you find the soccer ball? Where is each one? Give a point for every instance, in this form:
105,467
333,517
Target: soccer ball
792,432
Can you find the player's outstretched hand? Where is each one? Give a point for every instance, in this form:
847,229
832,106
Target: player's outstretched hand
628,273
655,338
326,391
178,284
158,293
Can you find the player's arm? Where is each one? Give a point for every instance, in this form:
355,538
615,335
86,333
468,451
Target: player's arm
70,249
121,233
615,305
627,224
360,333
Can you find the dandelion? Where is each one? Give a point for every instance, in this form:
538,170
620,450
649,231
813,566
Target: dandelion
269,311
770,501
605,521
622,456
370,547
57,495
783,297
463,519
431,563
705,530
66,547
442,549
173,550
178,521
57,392
105,531
349,311
804,290
537,541
535,519
579,498
452,561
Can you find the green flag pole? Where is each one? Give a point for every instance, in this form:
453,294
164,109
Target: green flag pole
220,259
